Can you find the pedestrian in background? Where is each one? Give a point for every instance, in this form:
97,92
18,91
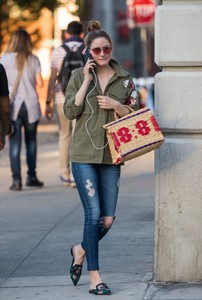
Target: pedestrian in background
20,63
93,95
4,107
55,96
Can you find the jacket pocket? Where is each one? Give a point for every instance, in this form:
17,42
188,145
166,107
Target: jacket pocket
119,95
82,146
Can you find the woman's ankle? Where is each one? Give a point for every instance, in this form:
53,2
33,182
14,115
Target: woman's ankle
79,254
95,279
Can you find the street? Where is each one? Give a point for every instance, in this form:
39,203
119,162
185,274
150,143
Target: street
38,227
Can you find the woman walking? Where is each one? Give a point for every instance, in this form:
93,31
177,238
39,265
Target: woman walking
24,73
93,95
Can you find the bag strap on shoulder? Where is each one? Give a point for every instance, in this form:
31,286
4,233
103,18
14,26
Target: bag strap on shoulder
64,46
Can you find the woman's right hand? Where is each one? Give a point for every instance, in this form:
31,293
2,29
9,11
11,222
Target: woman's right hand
80,95
90,64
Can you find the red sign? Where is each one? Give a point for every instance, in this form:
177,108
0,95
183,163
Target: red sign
140,12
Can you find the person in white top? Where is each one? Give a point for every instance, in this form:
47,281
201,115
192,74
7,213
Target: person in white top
19,62
74,37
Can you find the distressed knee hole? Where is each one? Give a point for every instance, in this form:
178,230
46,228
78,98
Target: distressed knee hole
107,223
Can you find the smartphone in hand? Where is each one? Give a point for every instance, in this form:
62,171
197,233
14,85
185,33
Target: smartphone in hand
87,56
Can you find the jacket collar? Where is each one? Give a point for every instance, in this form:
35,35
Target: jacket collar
119,70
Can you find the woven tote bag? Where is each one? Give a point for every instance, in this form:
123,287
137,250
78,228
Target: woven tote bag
133,135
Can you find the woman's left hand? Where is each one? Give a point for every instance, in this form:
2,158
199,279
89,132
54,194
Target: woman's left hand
106,102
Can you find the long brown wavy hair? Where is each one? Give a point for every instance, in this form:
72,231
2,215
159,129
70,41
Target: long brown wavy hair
22,45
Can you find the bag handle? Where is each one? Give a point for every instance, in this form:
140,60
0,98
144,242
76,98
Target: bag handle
116,117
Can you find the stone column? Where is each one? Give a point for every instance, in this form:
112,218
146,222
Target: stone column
178,163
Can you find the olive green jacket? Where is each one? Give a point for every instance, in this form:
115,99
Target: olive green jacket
89,138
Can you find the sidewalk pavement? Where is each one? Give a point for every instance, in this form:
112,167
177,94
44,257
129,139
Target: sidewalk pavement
38,227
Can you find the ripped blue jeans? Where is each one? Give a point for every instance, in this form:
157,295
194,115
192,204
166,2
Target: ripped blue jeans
98,187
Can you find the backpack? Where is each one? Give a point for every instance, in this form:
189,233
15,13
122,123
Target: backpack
73,59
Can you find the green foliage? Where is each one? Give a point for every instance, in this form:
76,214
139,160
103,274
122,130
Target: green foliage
15,13
34,7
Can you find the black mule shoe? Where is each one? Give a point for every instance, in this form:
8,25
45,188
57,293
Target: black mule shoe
101,289
75,270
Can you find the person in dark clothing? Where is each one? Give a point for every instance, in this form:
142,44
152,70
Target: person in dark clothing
4,107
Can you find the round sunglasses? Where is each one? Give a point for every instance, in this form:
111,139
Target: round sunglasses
98,50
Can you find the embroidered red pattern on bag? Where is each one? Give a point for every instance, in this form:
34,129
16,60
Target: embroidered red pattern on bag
141,128
154,123
124,135
116,140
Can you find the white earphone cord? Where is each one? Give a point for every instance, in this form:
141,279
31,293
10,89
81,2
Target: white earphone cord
92,111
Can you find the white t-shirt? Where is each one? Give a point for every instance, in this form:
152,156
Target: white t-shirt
26,91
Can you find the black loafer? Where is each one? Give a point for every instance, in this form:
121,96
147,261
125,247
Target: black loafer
75,270
101,289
